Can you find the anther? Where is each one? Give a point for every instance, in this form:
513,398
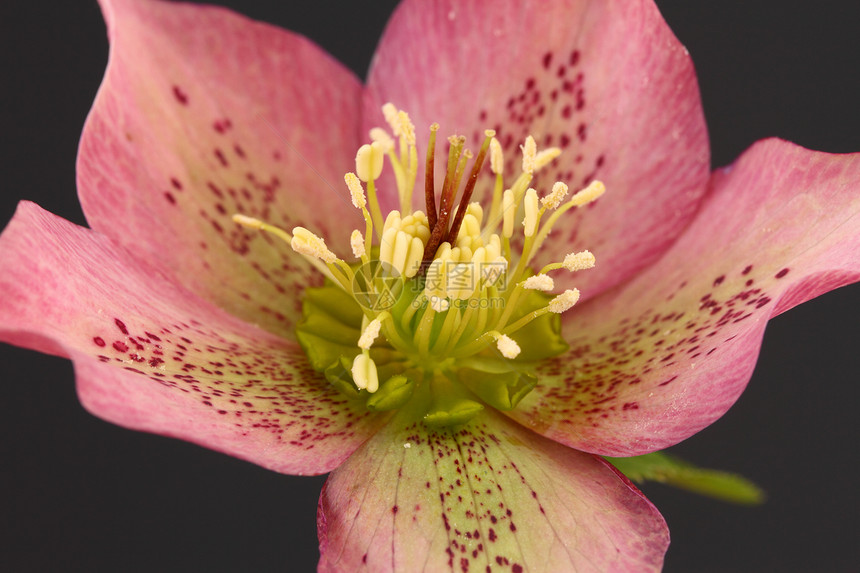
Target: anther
364,373
507,346
554,199
578,261
356,191
368,161
356,241
497,160
589,194
306,243
529,149
545,157
564,301
368,336
530,208
539,282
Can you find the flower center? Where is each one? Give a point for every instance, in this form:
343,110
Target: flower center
440,312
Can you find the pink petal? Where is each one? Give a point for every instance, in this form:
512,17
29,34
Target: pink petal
663,357
488,496
150,355
203,114
605,80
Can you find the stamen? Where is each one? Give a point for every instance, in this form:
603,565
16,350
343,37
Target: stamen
368,161
371,331
529,149
380,136
364,373
497,161
356,241
554,199
564,301
356,192
530,206
545,157
579,261
539,282
306,243
389,111
507,346
589,194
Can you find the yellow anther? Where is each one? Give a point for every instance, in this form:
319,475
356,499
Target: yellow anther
356,191
389,111
507,346
306,243
564,301
539,282
530,208
529,149
369,160
497,160
364,373
545,157
380,136
407,128
578,261
589,194
371,331
356,241
554,199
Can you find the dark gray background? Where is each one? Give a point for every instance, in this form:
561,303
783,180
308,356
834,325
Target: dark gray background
77,493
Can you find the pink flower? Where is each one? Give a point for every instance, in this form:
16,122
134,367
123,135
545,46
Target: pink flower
176,128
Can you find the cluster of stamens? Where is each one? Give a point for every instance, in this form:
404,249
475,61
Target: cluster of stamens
454,292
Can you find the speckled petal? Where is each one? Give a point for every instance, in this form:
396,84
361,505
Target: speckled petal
605,80
489,496
665,356
151,355
203,114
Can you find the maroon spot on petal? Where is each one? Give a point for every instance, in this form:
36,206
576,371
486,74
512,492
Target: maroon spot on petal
530,83
566,112
564,140
220,156
239,151
180,95
747,270
574,57
781,273
170,198
719,280
99,341
120,346
581,132
547,60
120,325
517,568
